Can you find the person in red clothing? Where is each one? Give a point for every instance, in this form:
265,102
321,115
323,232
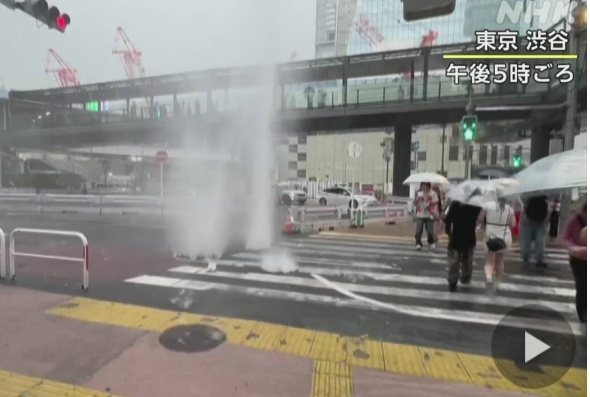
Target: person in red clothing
573,240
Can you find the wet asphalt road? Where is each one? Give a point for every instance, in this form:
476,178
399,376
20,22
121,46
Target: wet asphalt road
123,247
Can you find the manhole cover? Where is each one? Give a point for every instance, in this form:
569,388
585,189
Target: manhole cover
192,338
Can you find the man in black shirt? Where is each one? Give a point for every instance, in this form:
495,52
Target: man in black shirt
461,221
532,229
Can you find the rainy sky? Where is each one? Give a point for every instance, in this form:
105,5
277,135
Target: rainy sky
173,35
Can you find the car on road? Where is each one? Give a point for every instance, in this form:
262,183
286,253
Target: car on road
289,195
340,196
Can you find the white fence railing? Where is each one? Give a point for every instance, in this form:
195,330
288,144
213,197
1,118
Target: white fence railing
73,203
314,187
85,260
2,254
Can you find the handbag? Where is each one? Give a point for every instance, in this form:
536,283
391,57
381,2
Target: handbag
495,243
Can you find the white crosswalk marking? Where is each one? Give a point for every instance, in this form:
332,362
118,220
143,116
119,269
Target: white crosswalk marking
382,276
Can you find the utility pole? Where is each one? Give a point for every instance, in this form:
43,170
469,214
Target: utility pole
469,109
442,160
570,123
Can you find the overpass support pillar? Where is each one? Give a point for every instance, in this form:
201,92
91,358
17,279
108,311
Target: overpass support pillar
540,138
426,54
402,158
344,83
5,116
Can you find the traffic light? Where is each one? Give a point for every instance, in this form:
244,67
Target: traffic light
469,127
516,161
40,10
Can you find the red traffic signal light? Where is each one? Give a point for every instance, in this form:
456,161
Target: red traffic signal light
62,21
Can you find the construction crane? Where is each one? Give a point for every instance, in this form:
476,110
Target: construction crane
129,55
429,38
368,31
65,75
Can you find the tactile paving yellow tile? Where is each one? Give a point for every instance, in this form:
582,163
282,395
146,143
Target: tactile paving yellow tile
444,365
264,336
296,341
329,347
331,380
403,359
326,347
14,385
483,372
364,353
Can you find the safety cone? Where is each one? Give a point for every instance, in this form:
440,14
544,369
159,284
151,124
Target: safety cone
289,227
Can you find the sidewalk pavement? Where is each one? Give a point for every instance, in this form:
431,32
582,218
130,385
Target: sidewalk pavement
57,346
404,231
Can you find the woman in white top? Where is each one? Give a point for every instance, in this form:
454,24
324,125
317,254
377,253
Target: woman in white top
499,218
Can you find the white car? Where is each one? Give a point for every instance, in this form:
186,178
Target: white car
291,195
339,196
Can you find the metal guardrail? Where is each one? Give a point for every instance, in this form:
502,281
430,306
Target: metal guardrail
2,254
13,253
88,204
310,219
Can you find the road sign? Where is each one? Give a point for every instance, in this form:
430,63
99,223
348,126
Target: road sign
355,149
161,156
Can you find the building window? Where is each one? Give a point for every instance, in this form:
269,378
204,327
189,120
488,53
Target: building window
494,155
483,155
302,139
292,148
330,36
506,153
301,173
454,153
292,165
421,156
301,156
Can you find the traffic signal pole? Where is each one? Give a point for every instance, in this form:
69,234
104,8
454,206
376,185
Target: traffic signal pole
569,129
469,109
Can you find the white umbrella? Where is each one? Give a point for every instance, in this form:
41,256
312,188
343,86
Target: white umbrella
560,171
426,177
504,183
462,192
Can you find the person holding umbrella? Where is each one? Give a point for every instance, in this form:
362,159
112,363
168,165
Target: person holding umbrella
498,217
574,240
461,222
426,206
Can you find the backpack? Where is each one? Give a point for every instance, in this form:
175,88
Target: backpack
536,208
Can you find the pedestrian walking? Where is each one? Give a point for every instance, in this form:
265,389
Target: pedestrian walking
554,220
438,222
498,218
574,240
426,207
533,229
461,221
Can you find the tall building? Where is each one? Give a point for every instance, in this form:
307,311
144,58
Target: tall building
349,27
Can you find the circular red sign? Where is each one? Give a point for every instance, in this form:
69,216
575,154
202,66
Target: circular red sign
161,156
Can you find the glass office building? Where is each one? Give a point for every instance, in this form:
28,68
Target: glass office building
348,27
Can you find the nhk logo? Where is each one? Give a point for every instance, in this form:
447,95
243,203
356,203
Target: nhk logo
543,9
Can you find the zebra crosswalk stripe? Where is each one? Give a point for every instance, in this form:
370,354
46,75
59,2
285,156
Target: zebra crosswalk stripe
361,274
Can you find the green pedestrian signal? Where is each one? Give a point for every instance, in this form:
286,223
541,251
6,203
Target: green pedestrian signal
469,126
517,161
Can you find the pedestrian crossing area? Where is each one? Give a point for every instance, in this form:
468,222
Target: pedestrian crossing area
385,276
